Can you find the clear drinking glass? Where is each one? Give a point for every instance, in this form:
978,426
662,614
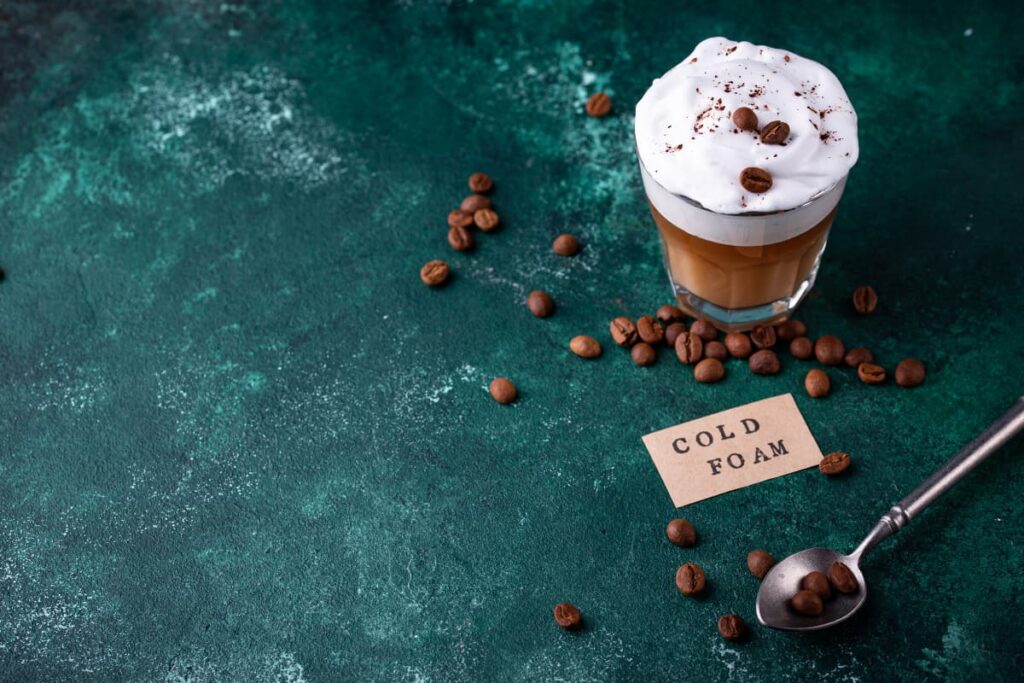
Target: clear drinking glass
741,270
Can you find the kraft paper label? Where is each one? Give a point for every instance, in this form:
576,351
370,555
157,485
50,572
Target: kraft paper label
732,449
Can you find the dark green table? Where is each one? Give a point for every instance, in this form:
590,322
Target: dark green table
242,441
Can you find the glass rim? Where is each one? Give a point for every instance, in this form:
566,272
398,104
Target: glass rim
752,214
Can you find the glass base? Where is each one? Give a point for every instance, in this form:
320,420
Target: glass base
743,319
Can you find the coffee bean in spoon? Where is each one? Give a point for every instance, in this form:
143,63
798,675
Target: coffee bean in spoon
807,603
842,578
818,583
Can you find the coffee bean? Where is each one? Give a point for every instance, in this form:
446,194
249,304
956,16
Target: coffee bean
744,118
763,336
649,329
842,578
856,356
567,616
690,579
502,390
829,350
759,562
682,533
623,331
870,373
565,245
704,329
764,362
716,349
910,372
486,219
474,203
790,330
807,603
599,104
756,180
540,304
480,183
738,344
689,348
732,627
434,273
585,346
672,333
818,583
865,300
459,238
460,218
802,348
669,314
709,370
643,354
817,383
774,133
834,463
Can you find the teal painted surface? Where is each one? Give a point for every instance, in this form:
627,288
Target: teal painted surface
241,441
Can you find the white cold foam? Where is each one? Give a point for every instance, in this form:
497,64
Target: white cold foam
688,144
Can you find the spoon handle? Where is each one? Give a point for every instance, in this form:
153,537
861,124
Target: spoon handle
969,457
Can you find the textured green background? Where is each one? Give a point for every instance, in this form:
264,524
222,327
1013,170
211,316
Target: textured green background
241,441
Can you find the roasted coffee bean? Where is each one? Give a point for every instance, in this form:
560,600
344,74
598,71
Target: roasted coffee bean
739,345
672,333
709,370
870,373
774,133
802,348
856,356
689,348
716,349
818,583
585,346
817,383
842,578
623,331
643,353
704,329
681,533
834,463
434,273
865,300
764,362
759,562
744,118
790,330
807,603
829,350
459,218
459,238
565,245
756,180
502,390
567,616
486,219
732,627
480,183
763,336
649,329
599,104
475,202
540,303
669,314
690,579
910,372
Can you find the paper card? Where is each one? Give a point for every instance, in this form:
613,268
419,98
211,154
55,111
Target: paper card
732,449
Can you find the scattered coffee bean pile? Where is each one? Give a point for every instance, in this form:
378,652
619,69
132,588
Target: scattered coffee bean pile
475,211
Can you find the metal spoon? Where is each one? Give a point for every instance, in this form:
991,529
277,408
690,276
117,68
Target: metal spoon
783,580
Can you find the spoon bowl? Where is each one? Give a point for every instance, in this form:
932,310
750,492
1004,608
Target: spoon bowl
783,581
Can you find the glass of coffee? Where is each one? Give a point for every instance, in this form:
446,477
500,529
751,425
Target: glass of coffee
744,152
